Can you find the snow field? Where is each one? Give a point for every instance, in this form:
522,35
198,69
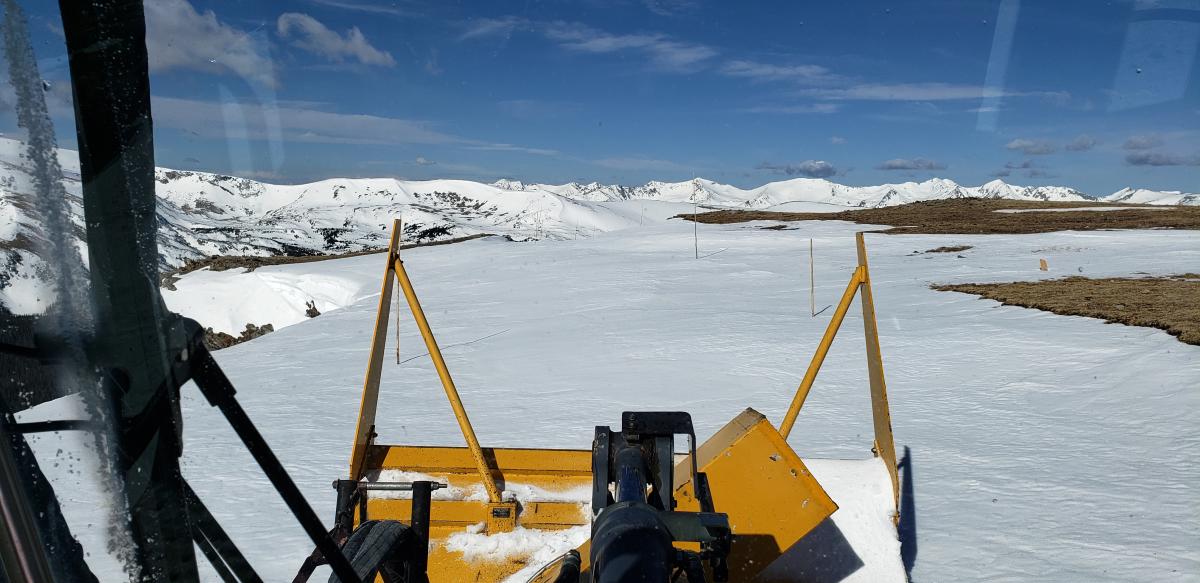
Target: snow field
1042,446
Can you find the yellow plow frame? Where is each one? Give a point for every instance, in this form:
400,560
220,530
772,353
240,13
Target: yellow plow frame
771,498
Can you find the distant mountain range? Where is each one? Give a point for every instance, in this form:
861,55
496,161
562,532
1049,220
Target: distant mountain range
203,214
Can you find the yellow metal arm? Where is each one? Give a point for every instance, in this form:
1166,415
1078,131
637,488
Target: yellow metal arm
364,432
881,416
814,366
464,423
365,429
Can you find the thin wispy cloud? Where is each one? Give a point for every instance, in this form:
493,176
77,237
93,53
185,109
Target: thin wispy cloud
512,148
1143,142
837,140
662,51
911,164
913,92
309,34
807,168
257,121
756,71
671,7
178,37
489,27
369,8
1032,147
804,108
1143,158
1082,143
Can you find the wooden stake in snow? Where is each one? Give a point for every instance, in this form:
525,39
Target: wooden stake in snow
812,285
696,224
1043,265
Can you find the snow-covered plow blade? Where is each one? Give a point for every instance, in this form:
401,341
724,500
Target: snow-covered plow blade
740,507
541,490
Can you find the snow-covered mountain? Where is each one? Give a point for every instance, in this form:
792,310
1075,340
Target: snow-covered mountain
1143,196
203,214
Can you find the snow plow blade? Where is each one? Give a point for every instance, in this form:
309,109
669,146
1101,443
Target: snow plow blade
544,489
502,513
747,463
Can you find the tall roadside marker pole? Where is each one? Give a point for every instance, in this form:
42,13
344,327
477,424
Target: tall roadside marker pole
812,285
696,224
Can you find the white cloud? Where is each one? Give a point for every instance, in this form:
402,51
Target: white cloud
512,148
1031,147
671,7
179,37
1143,142
809,168
911,164
369,8
1082,143
1160,159
423,161
914,92
485,27
309,34
296,123
207,119
796,109
664,52
837,140
808,74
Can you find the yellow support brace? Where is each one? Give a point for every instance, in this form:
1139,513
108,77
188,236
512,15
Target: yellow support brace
881,415
464,423
364,432
818,359
365,429
884,446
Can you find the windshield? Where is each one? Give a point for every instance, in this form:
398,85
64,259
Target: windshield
639,205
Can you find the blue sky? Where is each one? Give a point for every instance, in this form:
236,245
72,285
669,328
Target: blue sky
1091,94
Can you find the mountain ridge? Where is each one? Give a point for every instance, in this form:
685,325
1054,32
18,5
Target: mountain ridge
203,214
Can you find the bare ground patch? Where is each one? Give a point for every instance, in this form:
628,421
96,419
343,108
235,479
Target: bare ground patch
967,216
1167,303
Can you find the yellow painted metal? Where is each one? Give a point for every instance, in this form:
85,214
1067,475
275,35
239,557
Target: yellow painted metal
553,469
561,477
364,431
460,413
459,514
884,445
771,498
752,471
785,428
881,415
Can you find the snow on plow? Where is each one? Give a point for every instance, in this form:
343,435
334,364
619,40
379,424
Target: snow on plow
748,508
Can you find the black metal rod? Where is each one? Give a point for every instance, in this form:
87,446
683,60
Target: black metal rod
133,340
397,486
22,557
214,559
419,523
205,525
220,393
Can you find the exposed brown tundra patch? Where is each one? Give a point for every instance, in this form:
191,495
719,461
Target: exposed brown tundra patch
1169,303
